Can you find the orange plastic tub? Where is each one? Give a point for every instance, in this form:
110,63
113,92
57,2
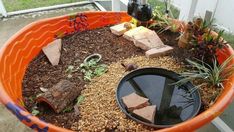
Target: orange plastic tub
28,42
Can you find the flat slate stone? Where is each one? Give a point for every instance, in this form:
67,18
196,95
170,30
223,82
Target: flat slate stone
120,29
134,101
144,38
155,52
147,40
53,51
147,112
129,34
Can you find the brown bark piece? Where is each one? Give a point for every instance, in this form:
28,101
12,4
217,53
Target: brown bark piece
60,95
147,112
134,101
53,51
120,29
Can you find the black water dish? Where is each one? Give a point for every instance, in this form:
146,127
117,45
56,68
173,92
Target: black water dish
175,104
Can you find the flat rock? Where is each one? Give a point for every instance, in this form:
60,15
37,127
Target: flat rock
155,52
129,35
53,51
147,40
120,29
134,101
143,38
147,112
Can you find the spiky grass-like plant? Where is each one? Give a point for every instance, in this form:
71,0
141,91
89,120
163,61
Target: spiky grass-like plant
214,74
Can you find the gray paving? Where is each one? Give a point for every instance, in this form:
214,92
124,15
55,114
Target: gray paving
228,116
9,123
9,26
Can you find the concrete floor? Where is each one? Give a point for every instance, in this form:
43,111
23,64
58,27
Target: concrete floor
9,26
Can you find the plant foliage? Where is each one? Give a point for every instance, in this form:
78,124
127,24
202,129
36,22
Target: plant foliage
205,46
161,20
214,74
35,112
92,69
204,42
80,99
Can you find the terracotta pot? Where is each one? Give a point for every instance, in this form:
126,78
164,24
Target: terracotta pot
25,45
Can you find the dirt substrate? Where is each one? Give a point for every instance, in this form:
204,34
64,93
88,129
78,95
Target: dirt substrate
41,73
99,111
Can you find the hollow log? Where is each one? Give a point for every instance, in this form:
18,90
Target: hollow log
60,95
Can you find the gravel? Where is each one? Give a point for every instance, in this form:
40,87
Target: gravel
100,111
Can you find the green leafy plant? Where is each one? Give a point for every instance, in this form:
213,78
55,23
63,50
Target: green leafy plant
161,21
101,69
80,99
205,46
32,98
71,69
35,112
88,75
203,41
92,69
173,28
68,109
201,27
173,11
215,75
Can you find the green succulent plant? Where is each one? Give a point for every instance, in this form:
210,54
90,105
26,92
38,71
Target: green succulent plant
215,75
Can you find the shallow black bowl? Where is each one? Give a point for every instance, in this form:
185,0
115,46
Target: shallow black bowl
174,104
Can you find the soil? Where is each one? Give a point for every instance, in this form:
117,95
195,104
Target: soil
114,50
76,48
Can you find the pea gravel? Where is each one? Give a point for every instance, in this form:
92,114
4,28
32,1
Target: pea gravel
100,112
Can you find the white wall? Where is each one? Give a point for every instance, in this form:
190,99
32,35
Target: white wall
203,6
223,14
2,9
184,6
